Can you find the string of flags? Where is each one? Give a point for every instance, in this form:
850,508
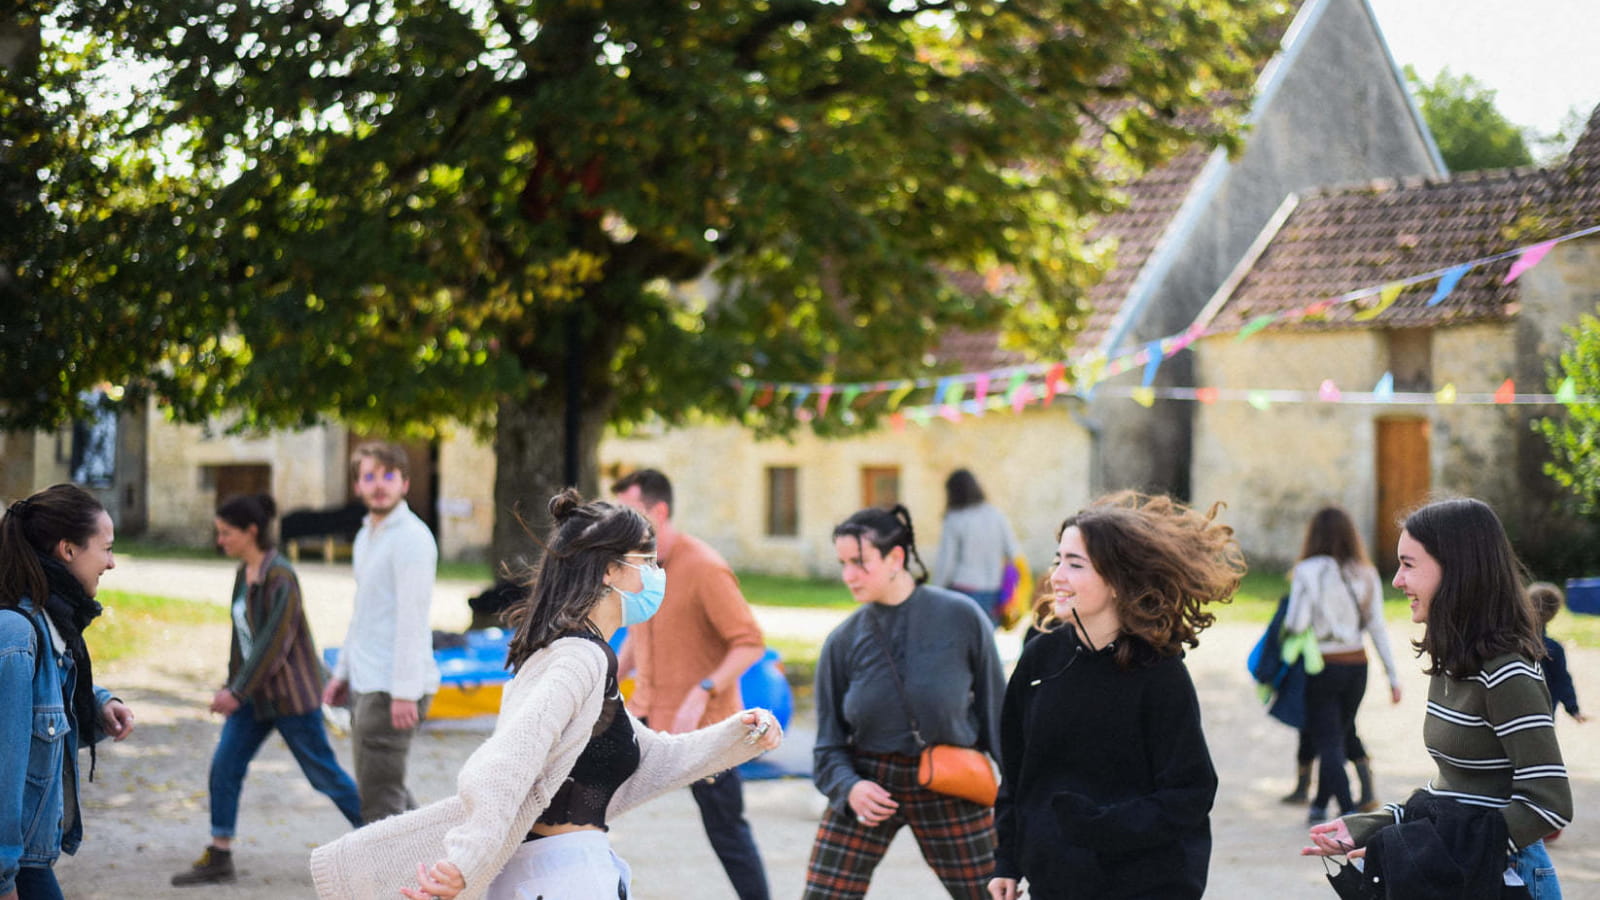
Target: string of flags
960,395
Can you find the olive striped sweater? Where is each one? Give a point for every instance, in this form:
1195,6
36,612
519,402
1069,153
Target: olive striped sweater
1493,738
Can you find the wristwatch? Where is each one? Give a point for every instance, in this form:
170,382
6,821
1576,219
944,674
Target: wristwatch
708,685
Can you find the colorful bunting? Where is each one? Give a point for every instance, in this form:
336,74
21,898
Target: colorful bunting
1328,392
1152,363
1446,395
823,395
1568,392
1384,389
899,395
1144,396
1260,400
1386,298
1255,325
1447,283
1206,394
1529,258
1507,392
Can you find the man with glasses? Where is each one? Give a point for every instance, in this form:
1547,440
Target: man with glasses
688,659
386,669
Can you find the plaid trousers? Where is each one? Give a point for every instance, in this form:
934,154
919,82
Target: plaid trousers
956,836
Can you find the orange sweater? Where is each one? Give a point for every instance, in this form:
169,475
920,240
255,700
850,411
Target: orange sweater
703,616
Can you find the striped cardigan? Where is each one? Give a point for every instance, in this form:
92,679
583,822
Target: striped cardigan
282,675
1493,738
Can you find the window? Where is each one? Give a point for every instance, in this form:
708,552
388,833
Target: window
880,486
783,501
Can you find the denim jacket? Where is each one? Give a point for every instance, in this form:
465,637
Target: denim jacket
38,740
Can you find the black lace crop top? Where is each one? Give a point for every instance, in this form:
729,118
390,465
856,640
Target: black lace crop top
610,758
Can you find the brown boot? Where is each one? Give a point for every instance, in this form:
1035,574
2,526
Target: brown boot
1302,783
213,867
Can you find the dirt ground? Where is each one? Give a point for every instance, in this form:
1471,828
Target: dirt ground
145,814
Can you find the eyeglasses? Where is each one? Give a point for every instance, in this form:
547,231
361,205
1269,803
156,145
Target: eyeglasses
648,560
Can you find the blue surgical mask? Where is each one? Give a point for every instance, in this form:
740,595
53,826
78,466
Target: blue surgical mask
642,604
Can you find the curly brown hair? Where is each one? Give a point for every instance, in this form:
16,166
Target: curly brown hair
1164,562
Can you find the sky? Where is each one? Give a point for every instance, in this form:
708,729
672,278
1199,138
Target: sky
1539,56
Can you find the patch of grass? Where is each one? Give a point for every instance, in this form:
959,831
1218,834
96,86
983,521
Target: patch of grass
161,550
132,623
1574,630
783,590
467,570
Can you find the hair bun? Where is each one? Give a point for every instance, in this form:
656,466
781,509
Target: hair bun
269,506
564,504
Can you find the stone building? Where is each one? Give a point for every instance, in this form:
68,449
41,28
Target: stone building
1378,459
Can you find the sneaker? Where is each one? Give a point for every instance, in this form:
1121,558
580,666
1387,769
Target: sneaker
213,867
1319,814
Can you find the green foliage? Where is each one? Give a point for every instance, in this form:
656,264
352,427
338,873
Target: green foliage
1470,131
408,211
1575,437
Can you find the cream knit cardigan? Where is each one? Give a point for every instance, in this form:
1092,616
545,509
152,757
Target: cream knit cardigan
546,715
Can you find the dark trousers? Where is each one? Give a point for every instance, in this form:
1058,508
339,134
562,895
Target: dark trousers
1306,751
379,752
242,736
721,801
37,883
1332,698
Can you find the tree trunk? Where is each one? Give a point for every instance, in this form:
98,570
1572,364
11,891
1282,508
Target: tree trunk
529,442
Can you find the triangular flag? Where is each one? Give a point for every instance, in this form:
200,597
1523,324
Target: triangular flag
939,390
1328,392
980,389
1316,309
1152,364
1255,325
784,391
1021,396
747,389
765,397
1206,394
804,414
1446,394
1144,396
1384,389
899,394
1568,392
1260,399
850,395
950,412
1529,258
1447,283
897,421
1506,393
1052,381
824,394
921,415
801,396
1386,298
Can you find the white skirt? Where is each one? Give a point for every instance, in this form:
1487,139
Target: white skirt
578,865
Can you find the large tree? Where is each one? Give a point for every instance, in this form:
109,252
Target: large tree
400,212
1469,128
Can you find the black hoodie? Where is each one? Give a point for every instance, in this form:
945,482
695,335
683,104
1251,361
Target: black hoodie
1107,784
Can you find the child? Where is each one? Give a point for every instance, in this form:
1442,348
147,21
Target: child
1547,601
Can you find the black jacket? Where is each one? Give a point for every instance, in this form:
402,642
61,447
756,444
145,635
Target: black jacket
1107,784
1440,849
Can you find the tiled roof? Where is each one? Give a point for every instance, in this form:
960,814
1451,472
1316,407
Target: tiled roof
1341,240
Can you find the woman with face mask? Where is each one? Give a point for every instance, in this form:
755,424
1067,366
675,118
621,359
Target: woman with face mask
54,546
909,644
566,758
1489,728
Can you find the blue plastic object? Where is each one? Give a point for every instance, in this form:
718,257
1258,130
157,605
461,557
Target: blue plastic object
1583,596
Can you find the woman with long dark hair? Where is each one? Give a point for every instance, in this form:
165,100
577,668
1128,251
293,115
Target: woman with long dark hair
274,684
1489,726
534,801
975,544
938,645
54,546
1336,595
1107,782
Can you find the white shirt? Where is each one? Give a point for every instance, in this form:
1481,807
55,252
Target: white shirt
1323,598
389,645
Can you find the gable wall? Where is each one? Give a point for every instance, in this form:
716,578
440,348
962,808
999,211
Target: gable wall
1338,116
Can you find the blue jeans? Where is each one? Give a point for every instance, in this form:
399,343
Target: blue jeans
242,736
38,883
721,801
1533,865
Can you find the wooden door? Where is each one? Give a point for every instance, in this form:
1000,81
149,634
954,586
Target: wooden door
237,480
1403,481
